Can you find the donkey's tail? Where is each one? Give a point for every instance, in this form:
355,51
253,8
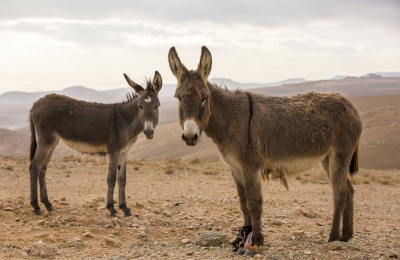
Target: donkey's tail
33,140
354,162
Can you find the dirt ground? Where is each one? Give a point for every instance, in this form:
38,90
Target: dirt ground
172,200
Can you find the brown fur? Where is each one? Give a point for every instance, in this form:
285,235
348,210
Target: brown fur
258,135
92,128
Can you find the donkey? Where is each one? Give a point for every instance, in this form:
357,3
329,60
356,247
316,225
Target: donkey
92,128
258,135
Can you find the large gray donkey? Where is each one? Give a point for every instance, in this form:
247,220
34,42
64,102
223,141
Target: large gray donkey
260,135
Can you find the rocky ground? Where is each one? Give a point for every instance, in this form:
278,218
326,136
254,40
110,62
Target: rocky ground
174,202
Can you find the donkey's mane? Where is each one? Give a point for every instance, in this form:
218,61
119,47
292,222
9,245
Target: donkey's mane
225,88
129,97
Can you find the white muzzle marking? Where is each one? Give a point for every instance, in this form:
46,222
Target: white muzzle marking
190,128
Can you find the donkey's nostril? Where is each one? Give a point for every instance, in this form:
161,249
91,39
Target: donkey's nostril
183,137
195,137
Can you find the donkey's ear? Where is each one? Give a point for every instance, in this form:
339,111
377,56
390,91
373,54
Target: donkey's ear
157,82
204,67
178,69
138,89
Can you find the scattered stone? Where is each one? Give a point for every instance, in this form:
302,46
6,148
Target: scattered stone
52,238
24,254
307,252
258,256
393,254
94,204
209,238
120,257
141,235
310,213
102,222
111,242
139,205
75,243
41,222
43,250
277,222
185,241
335,245
17,220
88,234
8,209
299,233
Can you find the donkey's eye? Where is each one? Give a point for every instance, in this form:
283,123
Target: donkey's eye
180,101
155,109
141,107
203,101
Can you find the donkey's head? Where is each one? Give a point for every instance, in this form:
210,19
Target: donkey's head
148,103
193,94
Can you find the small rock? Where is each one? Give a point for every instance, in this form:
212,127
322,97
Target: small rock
307,252
8,209
41,222
185,241
75,242
17,220
299,233
52,238
43,250
141,235
277,222
94,204
102,222
209,238
393,254
120,257
258,256
139,205
88,234
101,199
190,253
335,245
24,254
111,242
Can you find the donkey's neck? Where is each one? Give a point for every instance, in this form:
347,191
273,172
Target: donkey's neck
228,115
127,115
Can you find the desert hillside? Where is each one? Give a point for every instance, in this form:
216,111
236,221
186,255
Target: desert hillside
377,100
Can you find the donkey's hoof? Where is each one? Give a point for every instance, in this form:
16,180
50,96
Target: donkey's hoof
257,239
128,214
37,212
345,239
50,209
113,214
334,238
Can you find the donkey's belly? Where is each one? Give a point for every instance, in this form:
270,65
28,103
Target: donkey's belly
294,166
85,147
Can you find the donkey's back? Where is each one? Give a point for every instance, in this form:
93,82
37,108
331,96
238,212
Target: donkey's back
73,120
304,126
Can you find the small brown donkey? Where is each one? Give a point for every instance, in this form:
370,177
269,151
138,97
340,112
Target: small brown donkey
260,135
93,128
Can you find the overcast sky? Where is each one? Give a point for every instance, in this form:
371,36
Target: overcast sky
52,45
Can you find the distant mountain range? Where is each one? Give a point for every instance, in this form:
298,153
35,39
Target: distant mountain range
15,105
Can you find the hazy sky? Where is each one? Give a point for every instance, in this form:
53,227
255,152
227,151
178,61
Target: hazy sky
52,45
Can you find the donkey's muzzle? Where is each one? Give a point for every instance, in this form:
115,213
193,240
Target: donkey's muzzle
149,132
190,140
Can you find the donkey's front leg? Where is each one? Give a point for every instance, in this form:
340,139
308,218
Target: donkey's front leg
122,184
111,179
254,201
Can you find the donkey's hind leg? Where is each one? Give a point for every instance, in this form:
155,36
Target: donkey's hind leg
347,228
338,168
122,184
35,168
254,201
42,180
